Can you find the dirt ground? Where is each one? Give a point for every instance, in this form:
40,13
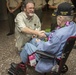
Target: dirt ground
8,53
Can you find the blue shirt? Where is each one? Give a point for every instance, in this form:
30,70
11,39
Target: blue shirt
54,46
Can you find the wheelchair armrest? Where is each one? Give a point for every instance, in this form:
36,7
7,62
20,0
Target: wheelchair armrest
45,54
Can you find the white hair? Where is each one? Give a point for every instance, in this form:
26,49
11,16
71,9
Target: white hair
68,18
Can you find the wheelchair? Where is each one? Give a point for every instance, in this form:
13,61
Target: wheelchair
20,69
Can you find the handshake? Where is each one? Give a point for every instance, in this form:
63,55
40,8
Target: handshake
40,34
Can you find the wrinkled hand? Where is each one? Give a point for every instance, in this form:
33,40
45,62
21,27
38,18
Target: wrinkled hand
37,40
41,34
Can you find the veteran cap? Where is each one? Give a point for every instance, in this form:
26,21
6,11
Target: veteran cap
64,9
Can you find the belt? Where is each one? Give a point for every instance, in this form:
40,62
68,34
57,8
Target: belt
38,8
12,7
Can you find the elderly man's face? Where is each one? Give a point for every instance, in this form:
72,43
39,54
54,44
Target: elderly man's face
29,10
61,20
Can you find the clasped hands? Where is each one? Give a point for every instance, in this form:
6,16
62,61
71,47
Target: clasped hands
41,34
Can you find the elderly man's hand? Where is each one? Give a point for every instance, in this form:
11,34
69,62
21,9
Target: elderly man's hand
41,34
37,40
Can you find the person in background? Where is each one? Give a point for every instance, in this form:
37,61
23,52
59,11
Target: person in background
27,25
13,7
53,4
39,5
74,3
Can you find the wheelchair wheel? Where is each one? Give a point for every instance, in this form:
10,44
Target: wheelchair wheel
64,69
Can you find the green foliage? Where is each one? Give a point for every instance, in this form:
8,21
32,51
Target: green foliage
47,30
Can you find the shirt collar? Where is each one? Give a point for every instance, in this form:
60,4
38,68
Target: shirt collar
27,16
66,24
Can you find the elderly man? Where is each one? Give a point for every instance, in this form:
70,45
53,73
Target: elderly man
27,24
53,4
56,39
